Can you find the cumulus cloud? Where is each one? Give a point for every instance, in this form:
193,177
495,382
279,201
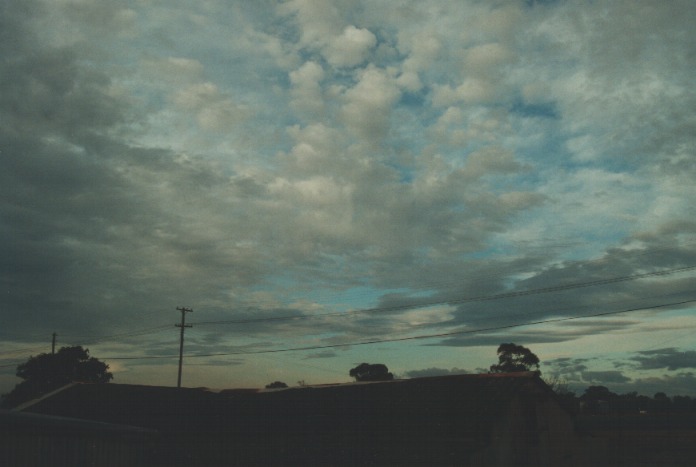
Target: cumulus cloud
307,92
350,48
368,104
321,30
482,60
317,20
214,111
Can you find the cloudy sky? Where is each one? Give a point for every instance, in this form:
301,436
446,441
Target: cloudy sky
327,183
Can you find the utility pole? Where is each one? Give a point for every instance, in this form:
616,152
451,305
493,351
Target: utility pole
183,325
53,344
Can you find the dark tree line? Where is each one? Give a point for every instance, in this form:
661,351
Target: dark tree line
48,372
600,400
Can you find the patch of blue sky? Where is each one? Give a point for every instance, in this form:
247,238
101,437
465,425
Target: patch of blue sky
408,126
288,289
349,299
406,174
356,298
540,145
224,61
414,99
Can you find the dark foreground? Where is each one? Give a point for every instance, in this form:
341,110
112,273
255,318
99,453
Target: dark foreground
470,420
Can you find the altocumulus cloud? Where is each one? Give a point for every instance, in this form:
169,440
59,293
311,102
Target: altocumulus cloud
278,164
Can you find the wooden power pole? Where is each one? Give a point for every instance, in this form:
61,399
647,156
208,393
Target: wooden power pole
183,325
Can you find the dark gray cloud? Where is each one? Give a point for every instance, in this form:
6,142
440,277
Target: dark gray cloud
523,335
86,229
680,384
577,373
567,365
607,377
670,359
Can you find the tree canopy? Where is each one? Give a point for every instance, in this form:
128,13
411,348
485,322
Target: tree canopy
513,358
276,385
371,372
47,372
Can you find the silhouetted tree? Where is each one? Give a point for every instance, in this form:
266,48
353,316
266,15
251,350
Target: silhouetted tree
598,393
644,403
513,358
682,404
598,399
371,372
47,372
661,403
276,384
628,403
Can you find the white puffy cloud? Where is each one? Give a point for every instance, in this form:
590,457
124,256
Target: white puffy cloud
350,48
369,103
321,29
317,149
214,110
486,59
306,92
318,20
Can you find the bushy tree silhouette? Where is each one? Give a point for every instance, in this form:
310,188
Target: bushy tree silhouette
47,372
513,358
276,385
371,372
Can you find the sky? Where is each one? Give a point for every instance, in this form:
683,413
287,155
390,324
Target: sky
326,183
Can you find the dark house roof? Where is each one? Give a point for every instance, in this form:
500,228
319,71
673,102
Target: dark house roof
26,422
423,420
28,439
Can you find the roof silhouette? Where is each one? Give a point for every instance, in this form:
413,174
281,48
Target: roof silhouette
443,419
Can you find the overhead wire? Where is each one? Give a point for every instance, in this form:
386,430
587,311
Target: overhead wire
429,303
397,308
505,270
410,338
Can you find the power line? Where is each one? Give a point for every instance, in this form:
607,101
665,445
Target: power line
418,337
482,298
405,306
21,351
103,337
454,333
508,269
387,309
